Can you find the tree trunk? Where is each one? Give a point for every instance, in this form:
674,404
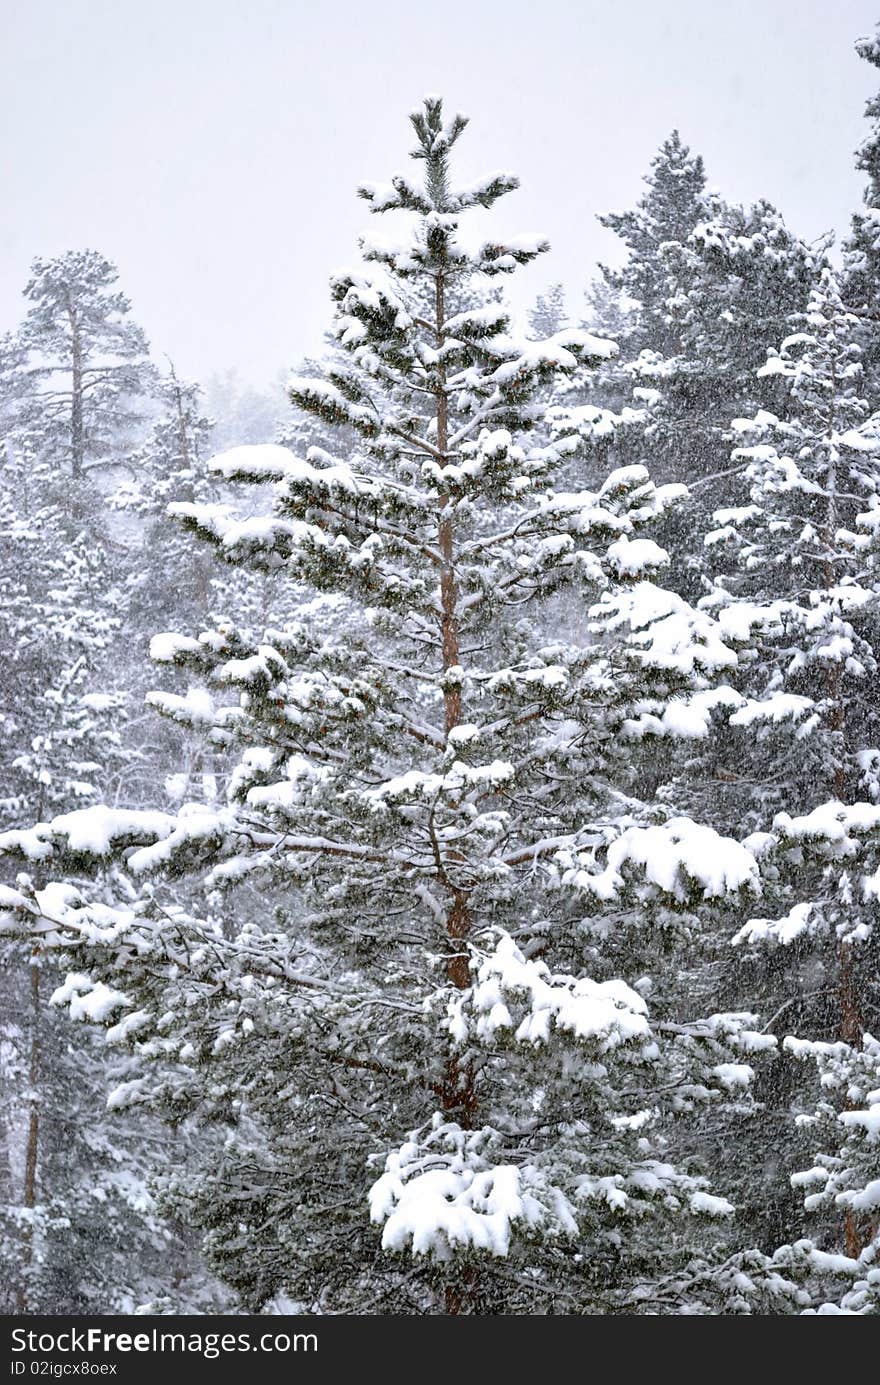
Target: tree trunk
29,1198
458,919
458,1095
849,999
182,434
77,437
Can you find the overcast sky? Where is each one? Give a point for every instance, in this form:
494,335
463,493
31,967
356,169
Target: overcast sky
211,148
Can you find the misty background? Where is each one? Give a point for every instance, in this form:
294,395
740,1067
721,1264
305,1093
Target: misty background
212,150
544,666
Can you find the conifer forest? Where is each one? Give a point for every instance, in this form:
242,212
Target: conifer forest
440,798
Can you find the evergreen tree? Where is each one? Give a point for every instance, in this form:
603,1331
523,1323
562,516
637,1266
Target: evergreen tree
87,362
72,1199
664,217
79,1229
786,560
549,315
441,801
793,590
862,249
707,289
843,1176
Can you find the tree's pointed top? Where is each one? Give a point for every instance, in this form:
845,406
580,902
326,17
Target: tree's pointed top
428,124
825,295
674,152
435,142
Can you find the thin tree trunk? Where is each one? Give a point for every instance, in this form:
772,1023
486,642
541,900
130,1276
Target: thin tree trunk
7,1108
458,920
182,434
458,1096
849,999
29,1198
77,439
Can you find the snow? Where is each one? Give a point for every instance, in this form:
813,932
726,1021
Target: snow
260,668
13,900
736,514
87,999
631,557
776,707
29,842
463,734
833,823
260,462
444,1208
686,718
271,462
859,441
738,620
442,1193
608,1013
460,776
477,321
869,1197
868,1120
801,919
666,632
96,831
195,822
677,857
131,1024
734,1075
99,702
196,709
473,193
706,1205
586,343
167,647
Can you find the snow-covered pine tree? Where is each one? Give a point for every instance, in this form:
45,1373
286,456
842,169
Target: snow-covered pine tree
549,315
673,204
171,464
79,1231
87,362
786,559
844,1178
707,288
794,735
739,285
861,283
73,1198
606,406
427,1024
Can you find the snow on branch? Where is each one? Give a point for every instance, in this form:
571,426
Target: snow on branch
440,1193
603,1013
678,858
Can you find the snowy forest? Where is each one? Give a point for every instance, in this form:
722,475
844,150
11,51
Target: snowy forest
440,795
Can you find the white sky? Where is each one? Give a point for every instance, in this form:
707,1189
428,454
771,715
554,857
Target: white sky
212,147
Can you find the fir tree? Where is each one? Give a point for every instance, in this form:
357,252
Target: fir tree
797,726
87,362
666,214
862,249
437,801
549,314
